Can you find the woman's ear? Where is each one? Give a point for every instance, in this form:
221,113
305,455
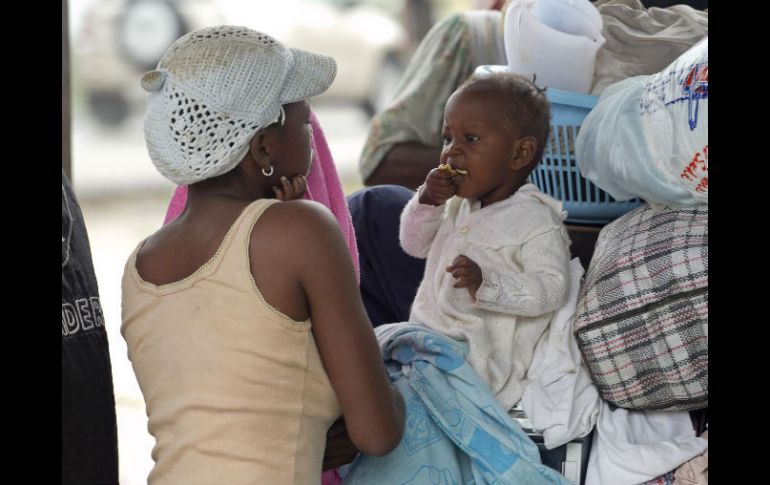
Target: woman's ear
523,152
262,147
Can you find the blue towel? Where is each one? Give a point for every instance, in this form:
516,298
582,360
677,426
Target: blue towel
456,433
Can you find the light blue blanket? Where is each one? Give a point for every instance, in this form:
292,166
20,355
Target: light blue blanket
456,433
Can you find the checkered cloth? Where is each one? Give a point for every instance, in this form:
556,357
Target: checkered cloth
642,316
665,479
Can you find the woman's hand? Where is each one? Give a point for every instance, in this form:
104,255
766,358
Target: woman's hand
291,189
467,273
339,449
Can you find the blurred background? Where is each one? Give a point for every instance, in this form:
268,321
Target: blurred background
123,198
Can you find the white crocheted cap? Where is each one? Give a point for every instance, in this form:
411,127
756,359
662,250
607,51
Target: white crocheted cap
214,89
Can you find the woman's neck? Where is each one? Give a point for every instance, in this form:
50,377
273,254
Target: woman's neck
226,189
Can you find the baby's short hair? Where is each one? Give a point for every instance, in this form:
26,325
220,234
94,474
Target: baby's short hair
526,106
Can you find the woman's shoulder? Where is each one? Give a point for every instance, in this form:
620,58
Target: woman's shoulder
298,238
299,222
302,214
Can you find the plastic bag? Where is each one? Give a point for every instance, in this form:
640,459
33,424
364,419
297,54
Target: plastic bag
675,119
648,135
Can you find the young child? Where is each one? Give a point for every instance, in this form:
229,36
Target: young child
497,251
242,316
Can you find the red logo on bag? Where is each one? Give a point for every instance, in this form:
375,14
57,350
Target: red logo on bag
698,168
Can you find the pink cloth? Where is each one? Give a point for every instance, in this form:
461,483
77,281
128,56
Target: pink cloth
323,186
331,477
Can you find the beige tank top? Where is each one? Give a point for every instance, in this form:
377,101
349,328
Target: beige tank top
235,390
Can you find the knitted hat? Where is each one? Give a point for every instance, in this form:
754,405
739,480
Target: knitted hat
214,89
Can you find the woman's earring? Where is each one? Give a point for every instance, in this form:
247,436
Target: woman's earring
268,171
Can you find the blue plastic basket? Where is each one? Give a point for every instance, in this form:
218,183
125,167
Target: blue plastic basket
558,173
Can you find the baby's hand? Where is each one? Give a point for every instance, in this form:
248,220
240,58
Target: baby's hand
438,187
467,273
291,189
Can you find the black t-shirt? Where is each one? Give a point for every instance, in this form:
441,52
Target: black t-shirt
89,437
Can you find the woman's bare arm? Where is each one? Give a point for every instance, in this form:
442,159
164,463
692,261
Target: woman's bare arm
301,241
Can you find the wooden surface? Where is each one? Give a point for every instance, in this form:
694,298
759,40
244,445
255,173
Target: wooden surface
583,242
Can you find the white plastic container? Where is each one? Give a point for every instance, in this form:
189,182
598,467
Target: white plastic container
575,17
562,59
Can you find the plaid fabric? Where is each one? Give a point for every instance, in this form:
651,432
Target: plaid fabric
666,479
642,316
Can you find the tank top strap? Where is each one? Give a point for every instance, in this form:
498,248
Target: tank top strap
245,222
235,256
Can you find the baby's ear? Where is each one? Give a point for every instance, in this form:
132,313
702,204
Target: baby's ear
523,152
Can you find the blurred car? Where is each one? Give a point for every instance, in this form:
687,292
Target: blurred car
121,39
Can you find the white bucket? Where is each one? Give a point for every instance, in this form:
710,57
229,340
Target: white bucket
561,60
576,17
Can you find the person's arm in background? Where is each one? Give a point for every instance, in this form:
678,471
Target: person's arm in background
405,164
89,424
404,141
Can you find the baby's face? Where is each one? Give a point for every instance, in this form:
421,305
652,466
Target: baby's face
478,139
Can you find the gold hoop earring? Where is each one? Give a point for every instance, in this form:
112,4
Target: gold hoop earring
269,171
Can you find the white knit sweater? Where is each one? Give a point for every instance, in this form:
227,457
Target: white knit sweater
522,248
